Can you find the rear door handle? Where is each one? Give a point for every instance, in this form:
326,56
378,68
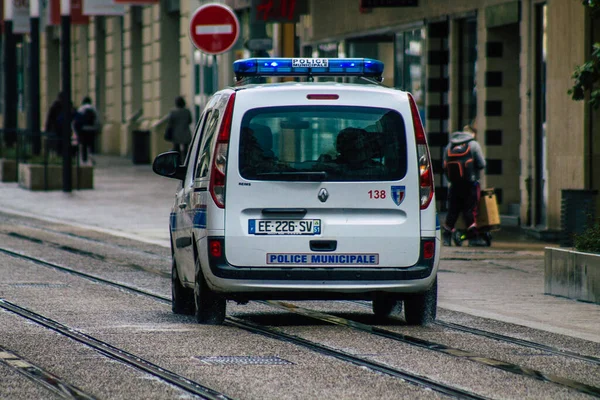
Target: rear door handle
323,245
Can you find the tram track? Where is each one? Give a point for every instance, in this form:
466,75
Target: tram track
115,353
507,339
438,347
55,384
245,325
509,367
90,254
448,325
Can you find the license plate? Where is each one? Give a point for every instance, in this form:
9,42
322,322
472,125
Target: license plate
284,227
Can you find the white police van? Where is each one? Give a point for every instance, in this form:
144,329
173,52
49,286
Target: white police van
305,190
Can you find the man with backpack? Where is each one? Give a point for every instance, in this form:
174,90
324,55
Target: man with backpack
463,161
87,126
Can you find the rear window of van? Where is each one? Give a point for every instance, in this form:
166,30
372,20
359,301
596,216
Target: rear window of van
323,143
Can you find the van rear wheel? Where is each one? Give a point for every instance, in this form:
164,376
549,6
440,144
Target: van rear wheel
182,298
385,304
210,306
421,309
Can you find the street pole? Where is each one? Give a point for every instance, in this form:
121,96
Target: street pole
34,76
258,30
65,47
215,77
10,77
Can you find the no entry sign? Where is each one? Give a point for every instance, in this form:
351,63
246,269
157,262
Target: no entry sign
214,28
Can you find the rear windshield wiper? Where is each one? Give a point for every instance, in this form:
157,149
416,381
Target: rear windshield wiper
306,176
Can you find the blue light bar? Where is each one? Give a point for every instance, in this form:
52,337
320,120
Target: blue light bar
253,67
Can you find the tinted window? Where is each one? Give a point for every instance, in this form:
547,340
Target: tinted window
323,143
208,133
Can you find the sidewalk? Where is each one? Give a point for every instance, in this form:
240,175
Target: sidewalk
506,284
127,200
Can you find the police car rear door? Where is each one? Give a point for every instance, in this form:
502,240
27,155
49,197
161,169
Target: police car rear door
318,178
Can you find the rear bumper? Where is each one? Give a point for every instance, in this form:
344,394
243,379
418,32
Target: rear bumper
225,277
227,271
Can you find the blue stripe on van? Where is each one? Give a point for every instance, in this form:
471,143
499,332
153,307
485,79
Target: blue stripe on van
200,218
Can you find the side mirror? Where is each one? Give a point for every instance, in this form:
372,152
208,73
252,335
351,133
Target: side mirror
169,164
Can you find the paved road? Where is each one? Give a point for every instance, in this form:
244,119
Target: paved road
240,363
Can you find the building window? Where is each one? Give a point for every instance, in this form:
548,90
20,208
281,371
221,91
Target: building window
467,104
410,65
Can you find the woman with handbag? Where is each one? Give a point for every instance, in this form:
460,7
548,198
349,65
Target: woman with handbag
178,127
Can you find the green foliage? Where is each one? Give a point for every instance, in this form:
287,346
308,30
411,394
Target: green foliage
587,75
594,5
52,160
589,240
8,152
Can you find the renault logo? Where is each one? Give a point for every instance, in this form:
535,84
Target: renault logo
323,195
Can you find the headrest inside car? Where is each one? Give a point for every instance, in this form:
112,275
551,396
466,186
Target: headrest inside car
263,136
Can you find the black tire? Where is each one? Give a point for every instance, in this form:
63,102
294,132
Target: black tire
210,306
385,304
421,309
182,298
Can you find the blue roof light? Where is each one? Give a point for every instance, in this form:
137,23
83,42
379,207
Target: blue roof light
254,67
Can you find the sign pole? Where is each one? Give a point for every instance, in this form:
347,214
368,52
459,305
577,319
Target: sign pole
215,70
10,77
65,47
34,76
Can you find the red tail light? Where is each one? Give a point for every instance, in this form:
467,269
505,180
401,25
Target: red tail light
428,249
219,166
426,186
215,248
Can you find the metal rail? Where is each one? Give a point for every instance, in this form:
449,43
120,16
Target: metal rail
115,353
340,355
520,342
505,366
508,339
50,381
438,347
254,328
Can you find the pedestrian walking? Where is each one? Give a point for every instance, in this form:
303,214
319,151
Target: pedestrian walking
178,127
87,126
52,126
55,120
462,162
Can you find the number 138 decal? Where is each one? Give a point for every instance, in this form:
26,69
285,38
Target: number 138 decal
377,194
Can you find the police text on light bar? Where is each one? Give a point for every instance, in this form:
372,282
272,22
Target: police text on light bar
253,67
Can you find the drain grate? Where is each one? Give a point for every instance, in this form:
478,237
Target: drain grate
243,360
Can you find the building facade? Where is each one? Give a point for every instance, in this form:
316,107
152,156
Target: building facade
503,65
